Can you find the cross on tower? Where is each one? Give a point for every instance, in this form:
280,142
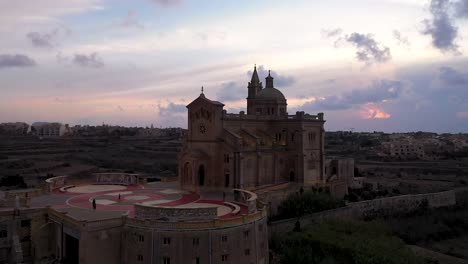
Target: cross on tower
202,89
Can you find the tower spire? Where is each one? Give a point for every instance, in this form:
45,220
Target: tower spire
255,80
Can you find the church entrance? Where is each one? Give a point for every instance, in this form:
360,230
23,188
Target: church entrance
201,175
291,176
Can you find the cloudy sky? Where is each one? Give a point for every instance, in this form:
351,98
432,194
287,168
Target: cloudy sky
387,65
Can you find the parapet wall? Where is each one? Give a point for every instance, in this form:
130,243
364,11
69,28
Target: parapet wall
246,198
55,182
174,214
116,178
383,206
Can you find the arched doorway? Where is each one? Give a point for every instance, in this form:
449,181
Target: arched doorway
201,175
291,176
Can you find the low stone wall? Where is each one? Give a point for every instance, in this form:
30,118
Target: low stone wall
173,214
246,198
386,206
55,182
116,178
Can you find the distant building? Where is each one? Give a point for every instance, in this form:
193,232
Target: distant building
404,149
45,129
14,129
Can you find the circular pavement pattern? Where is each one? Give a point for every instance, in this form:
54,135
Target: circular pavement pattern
136,197
123,198
95,188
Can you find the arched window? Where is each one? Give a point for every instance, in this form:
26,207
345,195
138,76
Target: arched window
187,175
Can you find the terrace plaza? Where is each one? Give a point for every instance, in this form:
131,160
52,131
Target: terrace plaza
119,218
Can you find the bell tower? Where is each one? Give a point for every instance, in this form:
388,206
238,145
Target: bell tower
254,87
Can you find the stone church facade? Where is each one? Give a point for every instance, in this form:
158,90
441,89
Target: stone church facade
262,147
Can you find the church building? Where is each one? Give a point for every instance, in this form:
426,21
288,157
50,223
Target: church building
263,147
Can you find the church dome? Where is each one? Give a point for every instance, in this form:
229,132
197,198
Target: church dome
270,94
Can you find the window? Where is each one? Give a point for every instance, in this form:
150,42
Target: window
25,223
197,260
224,258
167,241
247,252
3,233
166,260
224,238
226,180
141,238
311,137
246,233
226,158
196,241
140,257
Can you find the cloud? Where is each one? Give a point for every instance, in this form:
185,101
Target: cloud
377,92
461,9
372,111
41,40
89,61
440,27
172,109
279,79
453,77
130,21
17,60
205,36
173,114
232,91
331,33
166,3
368,49
50,39
401,40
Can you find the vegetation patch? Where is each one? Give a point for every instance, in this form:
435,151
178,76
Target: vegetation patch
342,242
307,202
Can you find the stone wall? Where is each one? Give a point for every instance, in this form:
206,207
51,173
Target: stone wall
55,182
386,206
246,198
116,178
175,214
244,243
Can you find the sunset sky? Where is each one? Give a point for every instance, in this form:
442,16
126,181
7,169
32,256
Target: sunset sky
386,65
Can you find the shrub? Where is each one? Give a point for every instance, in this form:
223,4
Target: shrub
297,204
